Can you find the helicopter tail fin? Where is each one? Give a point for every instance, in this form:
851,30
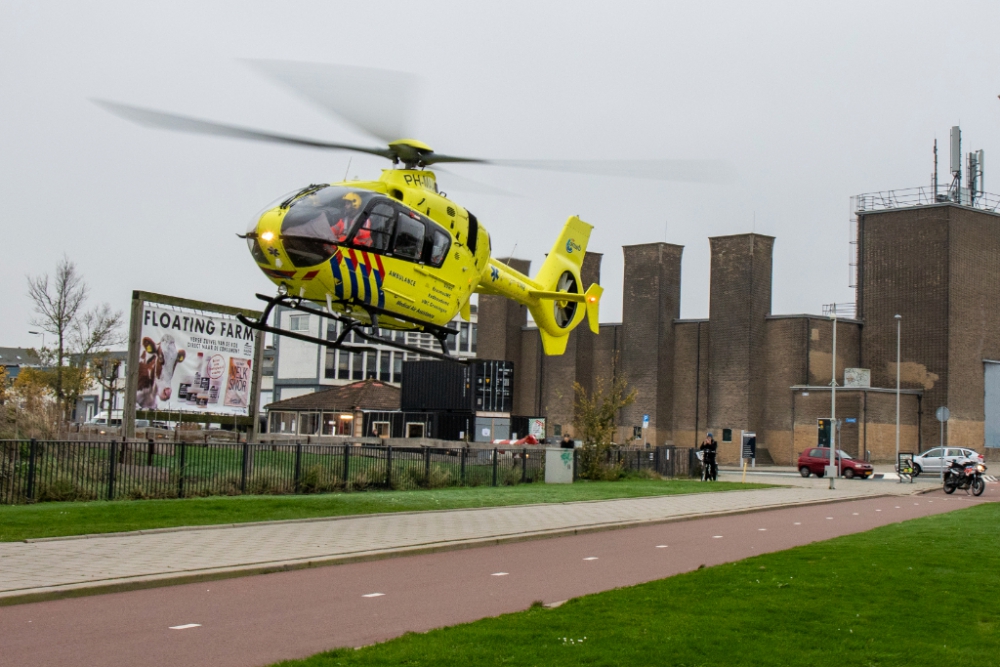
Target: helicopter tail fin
562,303
555,296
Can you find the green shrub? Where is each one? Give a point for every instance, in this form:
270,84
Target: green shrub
63,489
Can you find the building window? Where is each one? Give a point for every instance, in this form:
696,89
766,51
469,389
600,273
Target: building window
727,433
343,365
282,422
384,367
397,367
452,342
370,368
331,364
332,329
463,344
308,423
357,368
473,327
298,323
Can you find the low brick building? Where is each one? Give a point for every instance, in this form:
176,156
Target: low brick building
747,369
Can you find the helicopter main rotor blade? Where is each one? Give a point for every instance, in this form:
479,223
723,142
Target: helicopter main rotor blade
179,123
378,102
691,171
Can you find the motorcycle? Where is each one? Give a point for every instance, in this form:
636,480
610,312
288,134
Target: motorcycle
965,475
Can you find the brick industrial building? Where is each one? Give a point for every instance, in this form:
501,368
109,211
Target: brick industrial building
744,368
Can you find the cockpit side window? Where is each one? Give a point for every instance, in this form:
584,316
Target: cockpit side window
440,242
375,231
409,236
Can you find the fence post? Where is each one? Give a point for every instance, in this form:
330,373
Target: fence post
347,463
427,465
495,466
149,454
180,475
576,461
112,462
32,453
524,465
461,472
244,469
388,467
298,467
656,461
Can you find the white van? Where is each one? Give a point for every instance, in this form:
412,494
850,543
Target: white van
101,418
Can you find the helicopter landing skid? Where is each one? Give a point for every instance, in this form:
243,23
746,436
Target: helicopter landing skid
297,303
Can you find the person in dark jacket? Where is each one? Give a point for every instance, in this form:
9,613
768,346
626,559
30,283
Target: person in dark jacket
567,442
709,450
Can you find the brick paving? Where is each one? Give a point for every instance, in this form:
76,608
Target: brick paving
31,570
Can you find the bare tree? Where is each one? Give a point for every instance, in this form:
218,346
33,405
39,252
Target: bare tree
57,306
80,334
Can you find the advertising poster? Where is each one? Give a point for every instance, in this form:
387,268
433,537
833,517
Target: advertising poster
193,362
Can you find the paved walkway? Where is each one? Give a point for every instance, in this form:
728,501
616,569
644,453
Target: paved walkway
56,568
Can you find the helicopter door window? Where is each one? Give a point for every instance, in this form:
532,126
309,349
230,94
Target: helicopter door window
376,230
440,242
409,236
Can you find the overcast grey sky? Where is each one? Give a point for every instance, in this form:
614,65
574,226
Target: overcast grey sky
811,103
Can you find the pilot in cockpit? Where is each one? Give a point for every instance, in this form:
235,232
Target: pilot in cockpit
352,204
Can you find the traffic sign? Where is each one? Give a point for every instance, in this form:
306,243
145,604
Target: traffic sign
942,414
645,421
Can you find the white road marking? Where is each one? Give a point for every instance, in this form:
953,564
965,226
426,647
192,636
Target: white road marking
716,537
373,595
829,517
798,523
590,558
855,513
875,510
500,574
661,546
185,627
762,529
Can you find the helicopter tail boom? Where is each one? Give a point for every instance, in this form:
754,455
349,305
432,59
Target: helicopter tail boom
555,296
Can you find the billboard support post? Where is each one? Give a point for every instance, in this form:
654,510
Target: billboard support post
132,378
255,372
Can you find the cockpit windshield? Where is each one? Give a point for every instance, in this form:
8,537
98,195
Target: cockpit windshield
318,220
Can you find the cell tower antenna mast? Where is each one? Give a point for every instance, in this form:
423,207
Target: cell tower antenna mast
934,184
955,190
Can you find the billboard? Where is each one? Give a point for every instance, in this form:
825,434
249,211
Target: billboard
193,362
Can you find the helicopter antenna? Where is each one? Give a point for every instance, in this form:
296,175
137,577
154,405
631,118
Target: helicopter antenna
511,255
348,168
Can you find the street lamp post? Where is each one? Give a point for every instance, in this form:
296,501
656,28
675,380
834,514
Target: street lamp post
899,330
39,333
833,405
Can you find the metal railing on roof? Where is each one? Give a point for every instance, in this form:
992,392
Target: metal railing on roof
924,196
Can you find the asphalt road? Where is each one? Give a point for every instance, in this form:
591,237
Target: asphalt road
259,620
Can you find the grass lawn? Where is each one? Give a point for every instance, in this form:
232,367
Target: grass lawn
923,592
18,522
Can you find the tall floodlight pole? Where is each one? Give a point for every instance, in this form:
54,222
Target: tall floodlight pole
899,330
833,404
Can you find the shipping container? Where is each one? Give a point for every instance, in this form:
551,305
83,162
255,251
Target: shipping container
401,424
483,385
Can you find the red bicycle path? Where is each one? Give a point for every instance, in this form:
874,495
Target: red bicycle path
259,620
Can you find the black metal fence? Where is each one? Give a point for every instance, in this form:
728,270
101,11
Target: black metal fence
664,461
35,470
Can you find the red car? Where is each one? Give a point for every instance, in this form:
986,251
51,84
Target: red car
814,461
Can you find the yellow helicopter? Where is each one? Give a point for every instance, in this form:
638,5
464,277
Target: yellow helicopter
396,253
